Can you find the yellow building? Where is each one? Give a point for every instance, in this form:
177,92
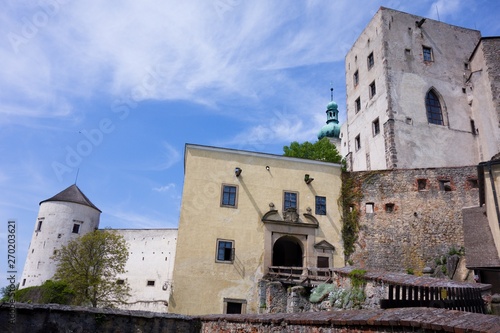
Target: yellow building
243,212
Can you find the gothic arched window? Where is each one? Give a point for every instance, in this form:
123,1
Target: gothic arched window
433,106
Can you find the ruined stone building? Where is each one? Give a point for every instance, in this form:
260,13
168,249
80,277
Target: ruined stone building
69,215
423,110
420,94
244,212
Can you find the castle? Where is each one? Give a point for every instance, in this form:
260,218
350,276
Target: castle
423,109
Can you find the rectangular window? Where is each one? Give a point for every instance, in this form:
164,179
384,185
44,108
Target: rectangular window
76,228
234,306
323,262
422,184
225,251
357,104
389,207
372,89
320,205
370,208
39,226
371,61
289,200
445,185
229,196
122,282
376,127
427,53
150,283
357,143
356,78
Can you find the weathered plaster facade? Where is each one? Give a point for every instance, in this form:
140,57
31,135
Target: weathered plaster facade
149,267
408,218
69,215
260,232
386,71
54,228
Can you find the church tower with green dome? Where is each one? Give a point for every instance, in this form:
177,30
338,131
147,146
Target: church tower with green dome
332,128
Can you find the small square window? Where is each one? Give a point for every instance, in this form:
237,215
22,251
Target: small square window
225,251
76,228
371,61
357,104
356,78
389,207
376,127
150,283
123,281
323,262
370,208
290,200
445,185
372,89
422,184
320,205
427,53
229,196
357,143
407,52
466,65
234,306
473,183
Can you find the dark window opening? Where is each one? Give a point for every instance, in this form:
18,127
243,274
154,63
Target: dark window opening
376,127
233,307
356,78
372,89
76,228
427,53
389,207
229,195
323,262
433,106
445,185
24,282
122,282
357,105
357,143
225,251
150,283
320,205
289,200
473,183
371,61
39,226
422,184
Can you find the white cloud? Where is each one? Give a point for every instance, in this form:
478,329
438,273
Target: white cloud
164,188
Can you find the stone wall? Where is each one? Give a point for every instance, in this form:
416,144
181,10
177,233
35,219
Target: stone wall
54,319
408,218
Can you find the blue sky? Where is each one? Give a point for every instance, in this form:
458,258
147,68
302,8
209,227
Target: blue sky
116,89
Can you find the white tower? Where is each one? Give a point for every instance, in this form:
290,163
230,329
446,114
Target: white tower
62,218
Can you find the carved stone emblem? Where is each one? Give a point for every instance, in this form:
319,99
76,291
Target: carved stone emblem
291,215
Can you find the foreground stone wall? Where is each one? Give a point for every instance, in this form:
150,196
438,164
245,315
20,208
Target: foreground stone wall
408,218
54,319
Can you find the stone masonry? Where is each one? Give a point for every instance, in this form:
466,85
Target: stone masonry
408,218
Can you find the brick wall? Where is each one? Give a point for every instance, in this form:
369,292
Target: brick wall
410,227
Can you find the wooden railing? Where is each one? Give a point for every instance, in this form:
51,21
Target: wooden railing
300,275
452,298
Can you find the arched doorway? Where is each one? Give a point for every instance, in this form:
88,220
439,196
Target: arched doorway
287,251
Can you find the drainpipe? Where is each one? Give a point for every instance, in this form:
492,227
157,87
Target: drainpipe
493,189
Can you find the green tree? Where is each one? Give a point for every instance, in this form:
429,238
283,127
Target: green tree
321,150
90,265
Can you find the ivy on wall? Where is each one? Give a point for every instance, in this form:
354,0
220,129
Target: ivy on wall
350,195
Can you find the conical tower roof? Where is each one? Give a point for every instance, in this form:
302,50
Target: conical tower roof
72,194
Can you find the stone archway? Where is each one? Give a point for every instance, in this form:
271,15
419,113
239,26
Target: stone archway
287,251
